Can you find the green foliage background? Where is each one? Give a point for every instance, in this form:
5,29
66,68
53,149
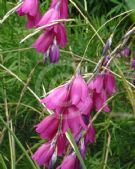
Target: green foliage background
21,110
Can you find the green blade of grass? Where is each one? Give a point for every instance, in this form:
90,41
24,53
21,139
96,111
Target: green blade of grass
19,144
74,146
2,162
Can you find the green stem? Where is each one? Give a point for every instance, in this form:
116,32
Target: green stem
74,146
19,143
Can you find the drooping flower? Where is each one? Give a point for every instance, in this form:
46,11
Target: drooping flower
44,41
30,8
101,87
79,90
72,114
99,100
63,8
57,99
49,42
32,21
44,154
50,16
55,36
110,84
48,127
70,162
72,101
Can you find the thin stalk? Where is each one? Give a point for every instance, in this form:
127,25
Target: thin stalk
19,143
73,144
9,123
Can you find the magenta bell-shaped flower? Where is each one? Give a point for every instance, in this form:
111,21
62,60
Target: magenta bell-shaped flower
48,127
72,114
79,90
70,162
109,83
100,101
44,41
31,9
103,86
44,154
50,16
57,99
72,101
49,42
63,8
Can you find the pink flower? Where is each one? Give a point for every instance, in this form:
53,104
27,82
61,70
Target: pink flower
71,100
32,21
100,101
50,16
110,84
44,41
44,154
60,32
31,9
48,127
73,114
79,90
101,87
63,8
49,42
57,99
70,162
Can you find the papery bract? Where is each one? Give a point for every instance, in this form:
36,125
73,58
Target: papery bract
54,53
90,135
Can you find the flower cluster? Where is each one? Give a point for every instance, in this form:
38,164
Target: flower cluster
54,36
100,88
72,105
